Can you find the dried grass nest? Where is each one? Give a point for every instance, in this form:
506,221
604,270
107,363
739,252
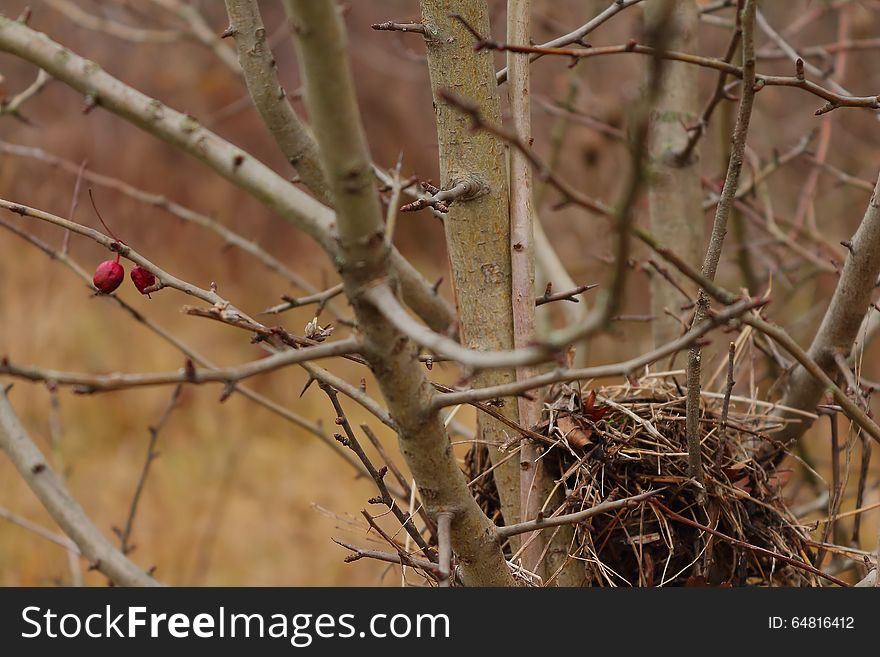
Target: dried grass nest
620,441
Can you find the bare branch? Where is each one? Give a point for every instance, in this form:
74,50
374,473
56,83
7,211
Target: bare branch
152,455
719,230
258,66
197,358
65,510
574,518
577,36
833,99
378,475
163,278
58,539
362,260
534,482
91,383
187,134
361,553
383,299
840,325
728,389
12,106
113,28
817,376
320,298
161,202
197,28
623,368
719,94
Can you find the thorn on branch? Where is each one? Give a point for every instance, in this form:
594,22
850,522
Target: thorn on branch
827,107
228,389
307,385
189,370
90,103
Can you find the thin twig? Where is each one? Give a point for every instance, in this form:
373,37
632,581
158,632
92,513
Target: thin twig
360,553
577,36
152,454
320,298
623,368
12,106
38,530
92,383
197,358
573,518
836,488
728,389
64,509
386,498
161,202
719,230
833,99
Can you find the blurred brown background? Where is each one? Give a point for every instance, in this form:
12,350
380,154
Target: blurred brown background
238,496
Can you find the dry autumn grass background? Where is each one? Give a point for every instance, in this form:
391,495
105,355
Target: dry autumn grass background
238,496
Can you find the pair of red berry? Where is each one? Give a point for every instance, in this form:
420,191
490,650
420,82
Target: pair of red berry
109,275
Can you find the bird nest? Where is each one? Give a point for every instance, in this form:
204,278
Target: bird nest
622,441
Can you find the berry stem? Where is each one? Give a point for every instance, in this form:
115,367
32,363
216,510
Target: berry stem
103,223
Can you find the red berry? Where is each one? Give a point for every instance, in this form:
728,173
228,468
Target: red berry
108,276
142,279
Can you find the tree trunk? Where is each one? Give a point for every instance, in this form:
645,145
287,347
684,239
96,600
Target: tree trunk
675,195
477,230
